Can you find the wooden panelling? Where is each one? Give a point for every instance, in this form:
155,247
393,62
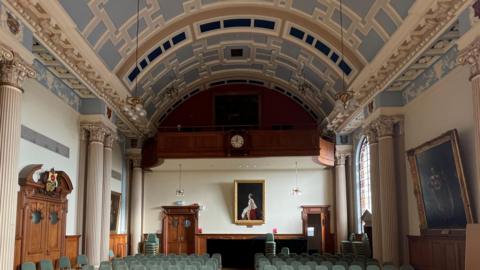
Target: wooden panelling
72,247
261,143
201,239
119,244
437,252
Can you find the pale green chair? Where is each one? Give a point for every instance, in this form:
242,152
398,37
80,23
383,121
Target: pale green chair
322,267
373,267
28,266
82,260
46,265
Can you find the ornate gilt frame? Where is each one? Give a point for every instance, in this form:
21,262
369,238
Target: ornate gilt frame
235,203
451,136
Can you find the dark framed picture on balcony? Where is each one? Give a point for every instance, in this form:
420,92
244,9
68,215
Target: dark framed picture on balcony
439,184
249,204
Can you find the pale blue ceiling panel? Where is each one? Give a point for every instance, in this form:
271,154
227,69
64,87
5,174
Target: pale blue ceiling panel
78,11
120,11
184,53
132,31
360,7
191,76
371,44
386,22
97,32
346,20
110,55
307,6
283,73
402,6
290,49
171,9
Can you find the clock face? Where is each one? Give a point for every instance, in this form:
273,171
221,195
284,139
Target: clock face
237,141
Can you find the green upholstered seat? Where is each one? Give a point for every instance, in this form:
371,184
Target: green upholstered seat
82,260
46,265
64,263
28,266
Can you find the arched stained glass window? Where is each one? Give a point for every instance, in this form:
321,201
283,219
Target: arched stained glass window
364,178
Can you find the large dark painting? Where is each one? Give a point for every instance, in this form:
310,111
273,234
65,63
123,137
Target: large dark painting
439,181
115,211
237,110
249,202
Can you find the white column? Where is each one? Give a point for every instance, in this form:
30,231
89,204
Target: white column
388,189
94,190
341,206
375,190
106,199
136,199
471,56
82,165
13,72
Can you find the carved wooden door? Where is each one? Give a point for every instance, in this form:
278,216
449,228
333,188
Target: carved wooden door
34,228
54,232
179,228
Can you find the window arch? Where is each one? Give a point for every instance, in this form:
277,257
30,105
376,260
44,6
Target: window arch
364,182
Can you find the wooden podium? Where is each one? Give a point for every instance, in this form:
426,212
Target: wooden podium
472,247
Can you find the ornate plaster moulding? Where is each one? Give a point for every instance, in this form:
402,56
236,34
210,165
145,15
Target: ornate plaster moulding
49,32
433,22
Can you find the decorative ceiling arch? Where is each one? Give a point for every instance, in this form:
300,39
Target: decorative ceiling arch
308,101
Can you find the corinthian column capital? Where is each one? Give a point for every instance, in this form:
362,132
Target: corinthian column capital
371,133
471,56
341,153
135,155
109,140
13,70
97,131
384,125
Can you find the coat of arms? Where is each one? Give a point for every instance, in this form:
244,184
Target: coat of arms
52,182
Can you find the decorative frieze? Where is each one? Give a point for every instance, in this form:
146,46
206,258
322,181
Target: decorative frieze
471,56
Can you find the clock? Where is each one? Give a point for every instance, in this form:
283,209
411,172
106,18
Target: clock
237,141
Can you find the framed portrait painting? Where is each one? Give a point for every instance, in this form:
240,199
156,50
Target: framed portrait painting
249,205
439,184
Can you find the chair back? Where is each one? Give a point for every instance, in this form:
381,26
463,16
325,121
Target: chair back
28,266
82,260
339,267
355,267
46,265
269,267
389,267
286,267
88,267
64,263
269,237
322,267
105,267
138,267
373,267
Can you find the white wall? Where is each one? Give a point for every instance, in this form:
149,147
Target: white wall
116,166
215,189
46,114
446,105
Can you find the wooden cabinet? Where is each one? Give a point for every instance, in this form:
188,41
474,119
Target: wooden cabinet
41,215
119,244
180,224
437,252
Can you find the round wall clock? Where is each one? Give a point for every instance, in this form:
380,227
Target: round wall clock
237,141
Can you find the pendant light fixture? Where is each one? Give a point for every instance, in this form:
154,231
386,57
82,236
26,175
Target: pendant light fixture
133,106
296,189
345,96
180,192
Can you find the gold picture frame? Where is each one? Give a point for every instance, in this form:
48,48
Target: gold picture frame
249,202
439,185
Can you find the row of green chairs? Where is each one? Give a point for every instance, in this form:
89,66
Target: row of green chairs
63,264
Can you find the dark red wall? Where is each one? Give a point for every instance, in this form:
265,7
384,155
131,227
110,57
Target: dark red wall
275,108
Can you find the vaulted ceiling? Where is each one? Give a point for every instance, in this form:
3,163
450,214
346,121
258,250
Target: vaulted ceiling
194,44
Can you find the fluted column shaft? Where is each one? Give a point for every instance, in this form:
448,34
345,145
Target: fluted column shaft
136,200
94,188
388,190
81,184
375,193
12,73
471,56
106,199
341,206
